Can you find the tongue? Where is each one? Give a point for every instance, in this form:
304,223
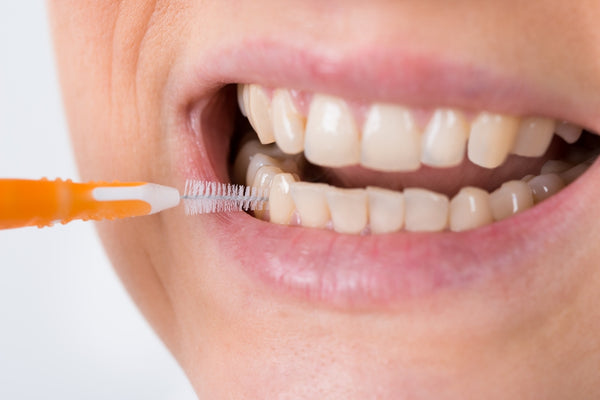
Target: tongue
442,180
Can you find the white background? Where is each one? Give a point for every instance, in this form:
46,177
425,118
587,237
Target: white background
68,330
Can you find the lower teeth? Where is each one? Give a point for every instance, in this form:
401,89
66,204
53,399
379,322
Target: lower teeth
374,210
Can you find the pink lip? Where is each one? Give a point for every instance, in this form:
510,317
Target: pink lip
379,271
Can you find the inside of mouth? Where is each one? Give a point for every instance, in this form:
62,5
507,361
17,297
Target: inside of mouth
377,168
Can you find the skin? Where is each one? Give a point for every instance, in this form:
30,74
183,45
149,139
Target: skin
237,339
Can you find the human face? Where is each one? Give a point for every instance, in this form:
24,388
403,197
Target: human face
253,309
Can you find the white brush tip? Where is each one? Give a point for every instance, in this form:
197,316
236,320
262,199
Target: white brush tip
160,197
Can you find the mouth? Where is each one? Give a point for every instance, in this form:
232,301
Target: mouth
378,196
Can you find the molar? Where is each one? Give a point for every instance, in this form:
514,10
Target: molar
348,208
331,137
445,139
492,138
391,140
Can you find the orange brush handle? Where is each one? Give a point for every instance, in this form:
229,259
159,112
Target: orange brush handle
42,202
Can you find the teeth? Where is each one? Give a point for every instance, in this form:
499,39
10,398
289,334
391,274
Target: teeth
262,180
386,210
492,138
554,167
544,186
573,173
288,123
534,137
569,132
311,203
281,203
258,109
511,198
348,209
426,211
470,209
391,140
445,139
332,138
242,98
258,161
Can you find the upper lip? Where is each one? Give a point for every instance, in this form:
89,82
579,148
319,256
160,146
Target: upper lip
367,271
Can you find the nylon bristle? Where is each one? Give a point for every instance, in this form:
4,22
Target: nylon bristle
203,197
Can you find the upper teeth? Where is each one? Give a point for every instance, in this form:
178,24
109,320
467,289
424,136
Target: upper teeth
390,138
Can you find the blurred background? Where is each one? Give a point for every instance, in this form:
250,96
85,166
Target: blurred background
68,329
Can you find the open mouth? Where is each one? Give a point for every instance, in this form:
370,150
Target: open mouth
380,168
374,199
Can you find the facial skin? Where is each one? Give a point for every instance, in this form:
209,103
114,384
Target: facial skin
125,72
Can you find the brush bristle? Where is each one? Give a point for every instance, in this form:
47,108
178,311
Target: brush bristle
202,197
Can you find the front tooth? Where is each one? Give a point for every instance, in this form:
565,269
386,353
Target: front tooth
258,161
386,210
555,166
259,113
331,137
544,186
569,132
281,203
348,208
492,138
534,137
288,123
390,139
445,139
311,203
426,211
470,209
511,198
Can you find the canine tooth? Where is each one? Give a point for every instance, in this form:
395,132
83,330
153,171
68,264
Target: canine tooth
311,203
263,180
554,167
569,132
573,173
386,210
256,162
534,136
426,211
445,139
348,208
288,123
281,203
259,113
242,98
492,138
470,209
544,186
511,198
390,139
331,137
